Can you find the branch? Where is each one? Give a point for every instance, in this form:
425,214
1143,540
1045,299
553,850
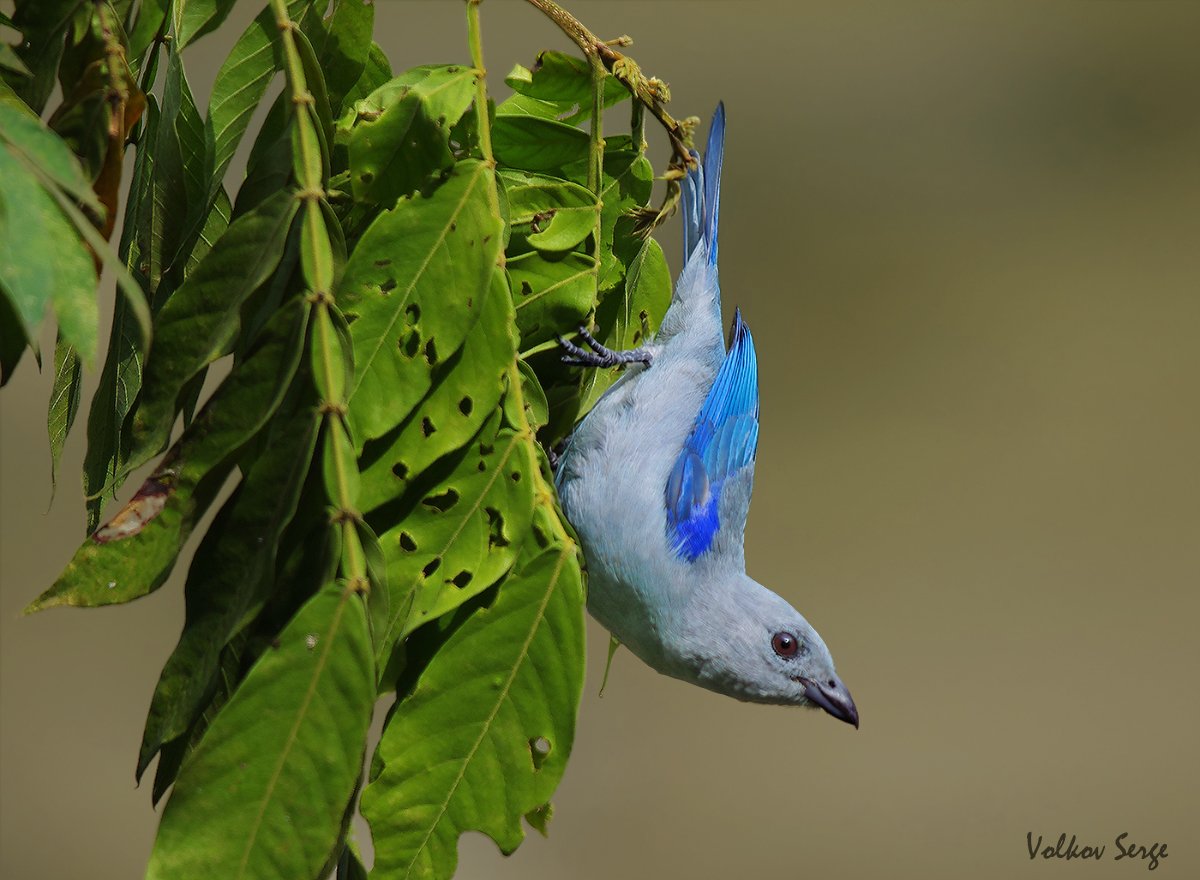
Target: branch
649,91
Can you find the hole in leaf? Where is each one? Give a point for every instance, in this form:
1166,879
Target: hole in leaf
481,467
495,528
465,406
366,177
388,286
400,469
432,566
516,476
486,448
526,288
453,226
411,344
427,427
412,311
383,263
539,535
441,502
407,544
430,353
461,579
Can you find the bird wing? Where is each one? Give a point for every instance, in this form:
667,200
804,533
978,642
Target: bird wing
723,441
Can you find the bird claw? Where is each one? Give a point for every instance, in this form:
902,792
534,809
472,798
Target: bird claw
600,356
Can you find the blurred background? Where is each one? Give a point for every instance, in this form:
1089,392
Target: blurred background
967,239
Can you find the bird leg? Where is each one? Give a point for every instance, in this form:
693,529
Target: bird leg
600,356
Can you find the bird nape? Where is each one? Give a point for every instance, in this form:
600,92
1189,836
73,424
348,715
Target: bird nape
656,480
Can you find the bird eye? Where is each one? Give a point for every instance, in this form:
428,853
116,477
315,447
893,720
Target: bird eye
785,644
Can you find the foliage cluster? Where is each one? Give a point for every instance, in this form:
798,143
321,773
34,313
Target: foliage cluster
385,284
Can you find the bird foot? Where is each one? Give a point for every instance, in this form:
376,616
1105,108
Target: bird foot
600,356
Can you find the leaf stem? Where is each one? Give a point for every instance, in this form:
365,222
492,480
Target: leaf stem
318,269
596,162
544,495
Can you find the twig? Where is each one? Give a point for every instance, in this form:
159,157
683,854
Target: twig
649,91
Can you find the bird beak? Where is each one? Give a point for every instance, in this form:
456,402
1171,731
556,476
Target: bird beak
833,697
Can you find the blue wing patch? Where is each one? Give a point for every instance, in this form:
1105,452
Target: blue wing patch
724,439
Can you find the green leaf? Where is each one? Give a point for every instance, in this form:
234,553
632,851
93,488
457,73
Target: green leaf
552,214
306,561
627,182
200,322
177,179
231,575
402,134
46,151
195,18
214,227
533,144
42,24
563,79
121,378
553,296
9,60
413,289
239,86
455,531
520,105
625,317
485,735
376,71
133,553
64,403
264,793
150,16
342,42
43,260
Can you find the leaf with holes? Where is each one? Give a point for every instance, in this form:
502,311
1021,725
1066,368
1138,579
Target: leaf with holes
401,132
467,388
552,296
549,213
484,736
455,529
412,290
133,553
264,792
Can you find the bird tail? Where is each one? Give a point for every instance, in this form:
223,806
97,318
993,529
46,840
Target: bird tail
702,194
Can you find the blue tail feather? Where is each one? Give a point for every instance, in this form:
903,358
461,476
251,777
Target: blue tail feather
702,192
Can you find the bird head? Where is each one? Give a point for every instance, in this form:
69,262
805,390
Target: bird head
759,648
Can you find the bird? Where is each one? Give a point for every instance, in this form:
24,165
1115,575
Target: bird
656,481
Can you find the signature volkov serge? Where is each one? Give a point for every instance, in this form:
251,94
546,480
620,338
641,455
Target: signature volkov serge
1071,849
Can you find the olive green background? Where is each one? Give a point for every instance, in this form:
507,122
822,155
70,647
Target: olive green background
967,239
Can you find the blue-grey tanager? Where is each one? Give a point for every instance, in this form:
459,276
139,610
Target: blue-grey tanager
656,481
